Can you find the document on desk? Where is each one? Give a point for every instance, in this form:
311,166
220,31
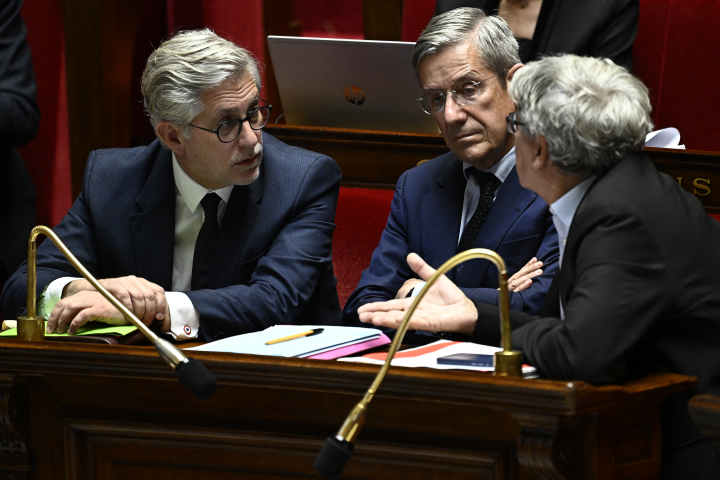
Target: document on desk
427,355
255,343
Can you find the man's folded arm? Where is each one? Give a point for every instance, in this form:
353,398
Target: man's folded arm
286,277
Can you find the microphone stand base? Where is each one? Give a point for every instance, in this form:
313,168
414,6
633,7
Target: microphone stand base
31,329
508,364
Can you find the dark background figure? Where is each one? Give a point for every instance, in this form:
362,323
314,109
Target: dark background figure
594,28
19,122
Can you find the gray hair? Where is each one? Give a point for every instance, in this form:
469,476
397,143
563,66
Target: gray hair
494,41
591,112
186,66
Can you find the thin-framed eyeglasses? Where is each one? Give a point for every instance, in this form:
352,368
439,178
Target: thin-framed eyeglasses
434,101
229,130
513,122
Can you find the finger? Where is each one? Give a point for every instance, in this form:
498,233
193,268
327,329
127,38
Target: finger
138,297
81,319
523,286
66,313
51,324
160,302
390,305
419,266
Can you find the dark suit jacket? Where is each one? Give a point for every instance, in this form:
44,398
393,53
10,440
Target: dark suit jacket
425,219
640,289
275,239
594,28
19,123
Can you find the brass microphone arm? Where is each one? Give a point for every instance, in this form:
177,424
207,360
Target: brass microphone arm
32,327
507,362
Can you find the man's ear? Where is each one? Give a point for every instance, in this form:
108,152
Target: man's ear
512,71
171,135
541,159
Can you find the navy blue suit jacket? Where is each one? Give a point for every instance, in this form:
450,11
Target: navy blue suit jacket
425,219
275,262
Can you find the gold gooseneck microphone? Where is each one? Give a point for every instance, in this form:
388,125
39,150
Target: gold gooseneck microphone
189,372
338,449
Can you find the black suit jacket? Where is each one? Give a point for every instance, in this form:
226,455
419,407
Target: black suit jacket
640,289
19,123
274,266
594,28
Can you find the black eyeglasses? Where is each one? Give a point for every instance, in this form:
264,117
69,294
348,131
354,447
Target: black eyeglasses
434,102
512,123
229,130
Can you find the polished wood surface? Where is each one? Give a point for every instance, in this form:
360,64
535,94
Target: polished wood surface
81,411
376,159
705,412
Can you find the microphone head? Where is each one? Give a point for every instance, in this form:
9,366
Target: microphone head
333,457
195,377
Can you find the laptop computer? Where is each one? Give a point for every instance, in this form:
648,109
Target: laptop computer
343,83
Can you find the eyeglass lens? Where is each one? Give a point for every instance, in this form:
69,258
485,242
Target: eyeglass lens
229,131
434,102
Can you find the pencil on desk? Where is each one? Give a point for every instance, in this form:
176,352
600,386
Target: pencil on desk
309,333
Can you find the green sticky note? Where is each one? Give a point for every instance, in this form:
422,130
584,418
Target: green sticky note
90,328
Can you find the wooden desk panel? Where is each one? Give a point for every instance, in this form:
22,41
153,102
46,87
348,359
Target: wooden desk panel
376,159
98,412
705,412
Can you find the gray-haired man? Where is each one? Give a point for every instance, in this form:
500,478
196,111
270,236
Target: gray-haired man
212,230
638,290
471,197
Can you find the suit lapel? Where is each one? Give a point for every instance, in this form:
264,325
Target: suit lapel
440,216
238,221
512,200
153,229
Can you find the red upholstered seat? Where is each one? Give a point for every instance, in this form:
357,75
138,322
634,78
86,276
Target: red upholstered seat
361,217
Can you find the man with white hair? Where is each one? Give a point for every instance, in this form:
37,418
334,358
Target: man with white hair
470,197
212,230
638,290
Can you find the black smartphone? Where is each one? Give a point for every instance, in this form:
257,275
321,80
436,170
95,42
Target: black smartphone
467,359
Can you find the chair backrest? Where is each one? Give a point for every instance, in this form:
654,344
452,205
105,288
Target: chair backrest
361,217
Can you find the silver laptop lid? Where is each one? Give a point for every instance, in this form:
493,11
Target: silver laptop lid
348,84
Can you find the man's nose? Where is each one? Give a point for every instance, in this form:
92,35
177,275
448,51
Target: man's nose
453,112
247,137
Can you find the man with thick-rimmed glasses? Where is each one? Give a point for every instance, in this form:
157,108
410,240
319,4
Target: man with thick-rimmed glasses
213,230
470,197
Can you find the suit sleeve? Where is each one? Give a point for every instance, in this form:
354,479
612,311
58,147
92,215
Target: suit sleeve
531,300
285,278
19,112
388,268
622,286
615,38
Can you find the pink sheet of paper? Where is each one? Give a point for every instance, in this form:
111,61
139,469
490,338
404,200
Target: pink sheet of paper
350,349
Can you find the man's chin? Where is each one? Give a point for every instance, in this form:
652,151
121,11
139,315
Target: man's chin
250,175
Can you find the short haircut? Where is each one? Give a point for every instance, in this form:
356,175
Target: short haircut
185,67
592,112
494,41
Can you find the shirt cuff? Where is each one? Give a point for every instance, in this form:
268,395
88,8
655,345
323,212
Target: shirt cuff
184,317
52,295
416,290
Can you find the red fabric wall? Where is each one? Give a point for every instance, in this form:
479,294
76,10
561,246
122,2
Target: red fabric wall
48,156
676,54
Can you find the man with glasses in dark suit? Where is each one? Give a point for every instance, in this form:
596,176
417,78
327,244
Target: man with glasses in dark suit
470,197
212,230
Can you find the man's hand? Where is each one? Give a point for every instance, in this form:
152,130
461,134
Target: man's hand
145,299
72,312
444,308
407,286
523,277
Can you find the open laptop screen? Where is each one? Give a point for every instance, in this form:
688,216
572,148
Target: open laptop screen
348,84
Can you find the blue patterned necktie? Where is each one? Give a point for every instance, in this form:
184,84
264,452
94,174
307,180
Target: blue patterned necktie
488,184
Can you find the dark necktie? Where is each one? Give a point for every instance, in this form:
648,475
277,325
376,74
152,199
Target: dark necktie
206,244
488,184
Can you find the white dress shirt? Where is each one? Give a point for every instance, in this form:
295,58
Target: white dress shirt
563,212
185,319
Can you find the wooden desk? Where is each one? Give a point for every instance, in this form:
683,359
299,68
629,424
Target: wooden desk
705,412
376,159
99,412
